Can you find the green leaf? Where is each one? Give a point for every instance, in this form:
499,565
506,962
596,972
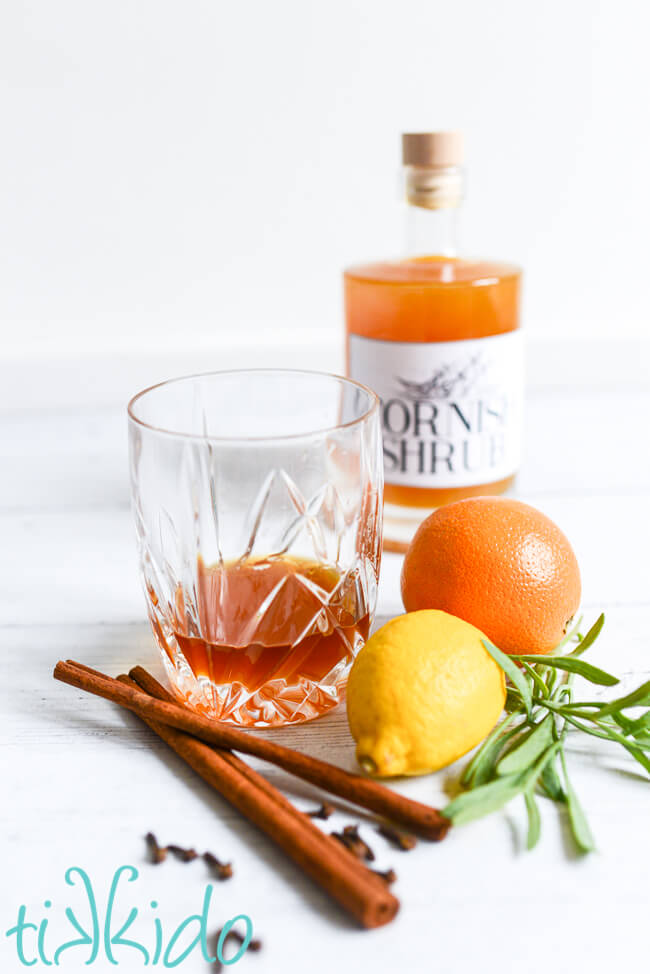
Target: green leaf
484,799
513,701
537,679
577,818
534,819
550,781
639,726
481,770
638,698
581,707
492,737
638,756
495,794
513,673
524,754
551,678
605,732
572,665
591,636
533,773
629,726
579,825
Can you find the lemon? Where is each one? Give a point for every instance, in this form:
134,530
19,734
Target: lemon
421,693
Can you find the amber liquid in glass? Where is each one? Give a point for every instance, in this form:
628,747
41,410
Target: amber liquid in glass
272,628
432,299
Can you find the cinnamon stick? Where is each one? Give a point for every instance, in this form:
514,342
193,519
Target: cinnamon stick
397,547
421,819
354,887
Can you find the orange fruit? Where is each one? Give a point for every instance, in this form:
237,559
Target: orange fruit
499,564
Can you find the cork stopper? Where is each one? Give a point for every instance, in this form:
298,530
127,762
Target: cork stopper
432,149
432,167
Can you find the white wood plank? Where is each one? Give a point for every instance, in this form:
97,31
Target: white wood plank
64,459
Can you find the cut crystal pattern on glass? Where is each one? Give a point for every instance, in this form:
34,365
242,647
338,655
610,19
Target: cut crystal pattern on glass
259,554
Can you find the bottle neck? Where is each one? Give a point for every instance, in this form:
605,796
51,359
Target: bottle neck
434,195
431,233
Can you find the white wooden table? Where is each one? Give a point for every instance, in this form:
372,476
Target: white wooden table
83,782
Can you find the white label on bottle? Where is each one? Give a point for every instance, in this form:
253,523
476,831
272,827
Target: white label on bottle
451,412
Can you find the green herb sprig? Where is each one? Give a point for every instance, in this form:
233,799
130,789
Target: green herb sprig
525,753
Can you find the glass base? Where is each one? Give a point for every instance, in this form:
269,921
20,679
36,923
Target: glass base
276,704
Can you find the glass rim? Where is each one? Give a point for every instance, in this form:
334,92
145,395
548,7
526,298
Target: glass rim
321,431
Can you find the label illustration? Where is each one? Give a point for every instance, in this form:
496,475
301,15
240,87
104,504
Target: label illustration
451,412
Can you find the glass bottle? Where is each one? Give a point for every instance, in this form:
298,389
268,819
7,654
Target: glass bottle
437,337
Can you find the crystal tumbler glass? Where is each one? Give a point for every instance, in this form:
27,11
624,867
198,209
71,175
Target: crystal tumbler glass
258,505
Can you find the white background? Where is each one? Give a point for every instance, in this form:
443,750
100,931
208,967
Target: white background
176,174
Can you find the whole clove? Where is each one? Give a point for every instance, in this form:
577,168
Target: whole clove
157,853
352,833
389,875
185,855
324,812
222,870
255,944
351,839
401,840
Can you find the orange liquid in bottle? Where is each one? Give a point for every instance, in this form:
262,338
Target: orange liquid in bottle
432,299
277,638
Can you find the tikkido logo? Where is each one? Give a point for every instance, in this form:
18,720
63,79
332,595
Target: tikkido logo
104,936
